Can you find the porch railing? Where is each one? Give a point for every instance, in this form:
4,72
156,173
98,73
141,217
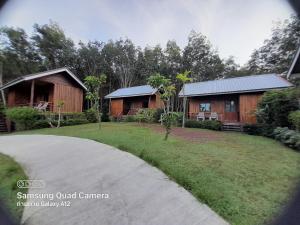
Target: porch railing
50,106
193,115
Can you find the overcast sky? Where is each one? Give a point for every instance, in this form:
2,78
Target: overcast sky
234,27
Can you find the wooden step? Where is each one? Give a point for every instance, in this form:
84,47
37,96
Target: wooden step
232,127
3,126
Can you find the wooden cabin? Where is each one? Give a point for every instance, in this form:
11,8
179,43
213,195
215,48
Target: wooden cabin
127,101
46,88
232,100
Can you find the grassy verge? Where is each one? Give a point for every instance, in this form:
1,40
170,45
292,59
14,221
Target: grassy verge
10,173
246,179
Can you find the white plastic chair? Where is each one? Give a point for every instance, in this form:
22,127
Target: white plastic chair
200,116
38,106
213,116
44,107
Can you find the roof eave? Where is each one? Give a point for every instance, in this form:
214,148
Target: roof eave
234,92
43,74
128,96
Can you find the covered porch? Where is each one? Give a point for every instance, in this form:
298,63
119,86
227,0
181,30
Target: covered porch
32,93
132,105
224,108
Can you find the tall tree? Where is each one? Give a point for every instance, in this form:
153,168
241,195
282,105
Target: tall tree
173,66
141,72
53,46
201,59
154,60
277,52
90,59
173,60
166,90
123,62
17,54
94,85
183,79
232,69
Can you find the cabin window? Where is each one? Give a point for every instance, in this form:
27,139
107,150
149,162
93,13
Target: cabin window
205,107
230,106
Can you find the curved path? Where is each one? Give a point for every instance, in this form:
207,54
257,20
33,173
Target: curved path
135,193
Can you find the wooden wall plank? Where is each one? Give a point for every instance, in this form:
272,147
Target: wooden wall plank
116,107
71,96
248,105
217,105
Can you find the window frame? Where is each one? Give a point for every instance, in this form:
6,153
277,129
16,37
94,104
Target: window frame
232,107
205,103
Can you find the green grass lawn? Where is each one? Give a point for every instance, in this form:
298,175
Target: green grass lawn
246,179
10,173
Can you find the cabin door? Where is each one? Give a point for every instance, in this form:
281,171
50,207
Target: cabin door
231,110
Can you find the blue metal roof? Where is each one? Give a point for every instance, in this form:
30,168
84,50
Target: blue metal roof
235,85
132,91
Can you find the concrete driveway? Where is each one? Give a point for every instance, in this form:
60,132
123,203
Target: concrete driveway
131,191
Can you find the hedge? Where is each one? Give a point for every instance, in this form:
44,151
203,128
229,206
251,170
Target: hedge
294,118
206,124
23,117
91,115
29,118
275,106
288,137
253,129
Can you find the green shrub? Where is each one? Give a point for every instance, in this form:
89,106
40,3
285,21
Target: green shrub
104,115
206,124
294,118
193,124
252,129
76,115
64,116
178,118
275,106
145,115
43,123
113,119
91,115
288,137
72,122
129,118
23,117
157,115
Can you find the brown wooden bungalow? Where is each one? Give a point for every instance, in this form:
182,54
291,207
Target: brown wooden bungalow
233,100
127,101
46,87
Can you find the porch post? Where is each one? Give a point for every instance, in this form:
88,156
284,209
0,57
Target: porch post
149,101
32,93
109,106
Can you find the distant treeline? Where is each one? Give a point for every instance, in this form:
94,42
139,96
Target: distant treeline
126,64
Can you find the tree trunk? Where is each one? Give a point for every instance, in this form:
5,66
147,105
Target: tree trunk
32,93
184,107
59,118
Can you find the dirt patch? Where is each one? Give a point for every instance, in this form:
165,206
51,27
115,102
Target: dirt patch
194,135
